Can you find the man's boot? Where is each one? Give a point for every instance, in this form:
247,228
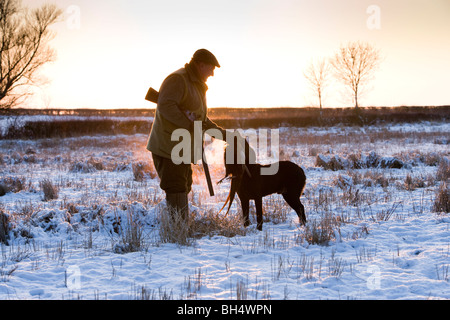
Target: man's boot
178,204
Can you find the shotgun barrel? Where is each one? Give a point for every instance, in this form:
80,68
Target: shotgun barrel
207,174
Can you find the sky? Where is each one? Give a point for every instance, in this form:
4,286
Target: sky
109,52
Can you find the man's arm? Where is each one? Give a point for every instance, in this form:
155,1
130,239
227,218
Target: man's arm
209,124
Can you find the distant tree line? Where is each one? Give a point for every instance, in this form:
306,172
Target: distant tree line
353,65
231,118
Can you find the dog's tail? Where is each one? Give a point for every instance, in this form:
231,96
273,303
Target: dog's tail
228,199
235,182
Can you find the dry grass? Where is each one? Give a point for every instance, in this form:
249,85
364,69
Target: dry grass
385,215
143,293
132,239
443,171
4,227
174,229
276,210
442,200
412,183
142,170
12,184
50,191
322,231
210,224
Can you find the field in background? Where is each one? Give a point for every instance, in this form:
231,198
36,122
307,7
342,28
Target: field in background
78,122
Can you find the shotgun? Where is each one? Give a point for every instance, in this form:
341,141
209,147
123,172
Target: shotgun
152,96
206,169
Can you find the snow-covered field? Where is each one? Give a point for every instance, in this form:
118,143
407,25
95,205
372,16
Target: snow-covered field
382,237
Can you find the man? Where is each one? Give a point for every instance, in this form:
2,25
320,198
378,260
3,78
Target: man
181,101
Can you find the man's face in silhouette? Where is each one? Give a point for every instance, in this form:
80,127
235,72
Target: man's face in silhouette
205,70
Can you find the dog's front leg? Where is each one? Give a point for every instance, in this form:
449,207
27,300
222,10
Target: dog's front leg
259,213
245,211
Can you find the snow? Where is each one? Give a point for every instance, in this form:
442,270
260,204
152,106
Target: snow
386,241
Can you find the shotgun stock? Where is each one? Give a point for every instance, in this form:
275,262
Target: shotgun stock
152,95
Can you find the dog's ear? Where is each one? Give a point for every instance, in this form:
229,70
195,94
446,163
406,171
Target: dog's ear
250,154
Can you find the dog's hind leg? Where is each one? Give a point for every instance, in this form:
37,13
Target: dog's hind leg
245,211
259,213
294,201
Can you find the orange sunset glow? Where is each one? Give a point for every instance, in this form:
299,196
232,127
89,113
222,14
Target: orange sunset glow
110,51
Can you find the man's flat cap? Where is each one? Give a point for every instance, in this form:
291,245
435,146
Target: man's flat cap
203,55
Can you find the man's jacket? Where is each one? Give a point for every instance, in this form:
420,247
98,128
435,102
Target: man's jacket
182,100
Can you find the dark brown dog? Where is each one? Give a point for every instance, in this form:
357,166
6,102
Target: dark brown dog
248,182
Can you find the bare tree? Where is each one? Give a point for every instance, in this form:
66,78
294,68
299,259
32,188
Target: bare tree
24,37
317,74
355,65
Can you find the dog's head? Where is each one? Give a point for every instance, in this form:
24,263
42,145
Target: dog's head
238,156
